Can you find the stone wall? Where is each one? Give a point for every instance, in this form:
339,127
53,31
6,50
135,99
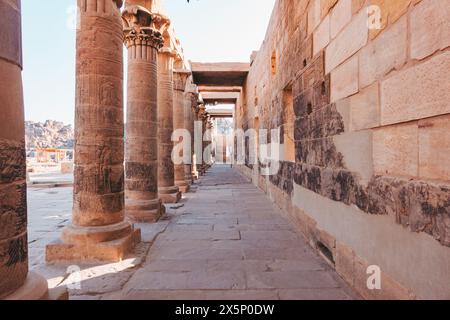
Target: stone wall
371,119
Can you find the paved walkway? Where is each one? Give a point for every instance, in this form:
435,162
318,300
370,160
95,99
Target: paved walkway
225,240
230,242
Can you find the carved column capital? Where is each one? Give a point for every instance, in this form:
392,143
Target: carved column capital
180,79
143,36
139,29
161,23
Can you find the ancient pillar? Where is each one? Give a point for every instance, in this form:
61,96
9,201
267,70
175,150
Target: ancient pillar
168,191
189,125
204,119
15,280
179,117
208,143
142,203
197,138
98,230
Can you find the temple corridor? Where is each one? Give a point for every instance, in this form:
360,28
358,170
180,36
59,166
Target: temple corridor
315,167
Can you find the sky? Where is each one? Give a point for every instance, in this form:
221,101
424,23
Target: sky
209,30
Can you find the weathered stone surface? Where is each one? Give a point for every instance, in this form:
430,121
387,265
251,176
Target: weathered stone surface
321,36
430,28
11,36
313,15
319,152
314,72
387,52
418,92
350,40
365,108
423,207
344,80
325,6
395,150
434,152
357,152
340,16
390,12
285,177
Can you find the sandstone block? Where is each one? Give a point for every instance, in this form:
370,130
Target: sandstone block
430,28
325,6
340,16
390,12
418,92
344,80
383,54
321,36
395,150
313,15
352,38
357,5
356,148
434,148
365,109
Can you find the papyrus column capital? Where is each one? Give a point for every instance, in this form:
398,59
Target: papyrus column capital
180,77
139,28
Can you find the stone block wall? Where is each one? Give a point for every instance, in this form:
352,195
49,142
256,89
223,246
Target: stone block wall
371,119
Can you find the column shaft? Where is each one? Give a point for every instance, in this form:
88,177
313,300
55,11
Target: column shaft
168,191
15,281
179,116
98,230
189,125
141,156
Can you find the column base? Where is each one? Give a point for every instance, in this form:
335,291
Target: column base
85,244
34,288
170,194
188,178
183,186
146,211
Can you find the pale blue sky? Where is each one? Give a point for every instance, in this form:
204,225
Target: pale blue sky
209,30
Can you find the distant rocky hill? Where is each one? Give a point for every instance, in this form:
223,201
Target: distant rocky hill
50,134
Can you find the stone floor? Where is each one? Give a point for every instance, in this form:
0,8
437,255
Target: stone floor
225,240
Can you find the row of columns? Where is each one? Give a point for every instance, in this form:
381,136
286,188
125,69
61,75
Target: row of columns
120,181
116,181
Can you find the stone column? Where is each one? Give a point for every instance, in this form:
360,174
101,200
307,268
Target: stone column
189,125
209,143
142,203
204,119
168,191
98,230
179,117
195,157
15,280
